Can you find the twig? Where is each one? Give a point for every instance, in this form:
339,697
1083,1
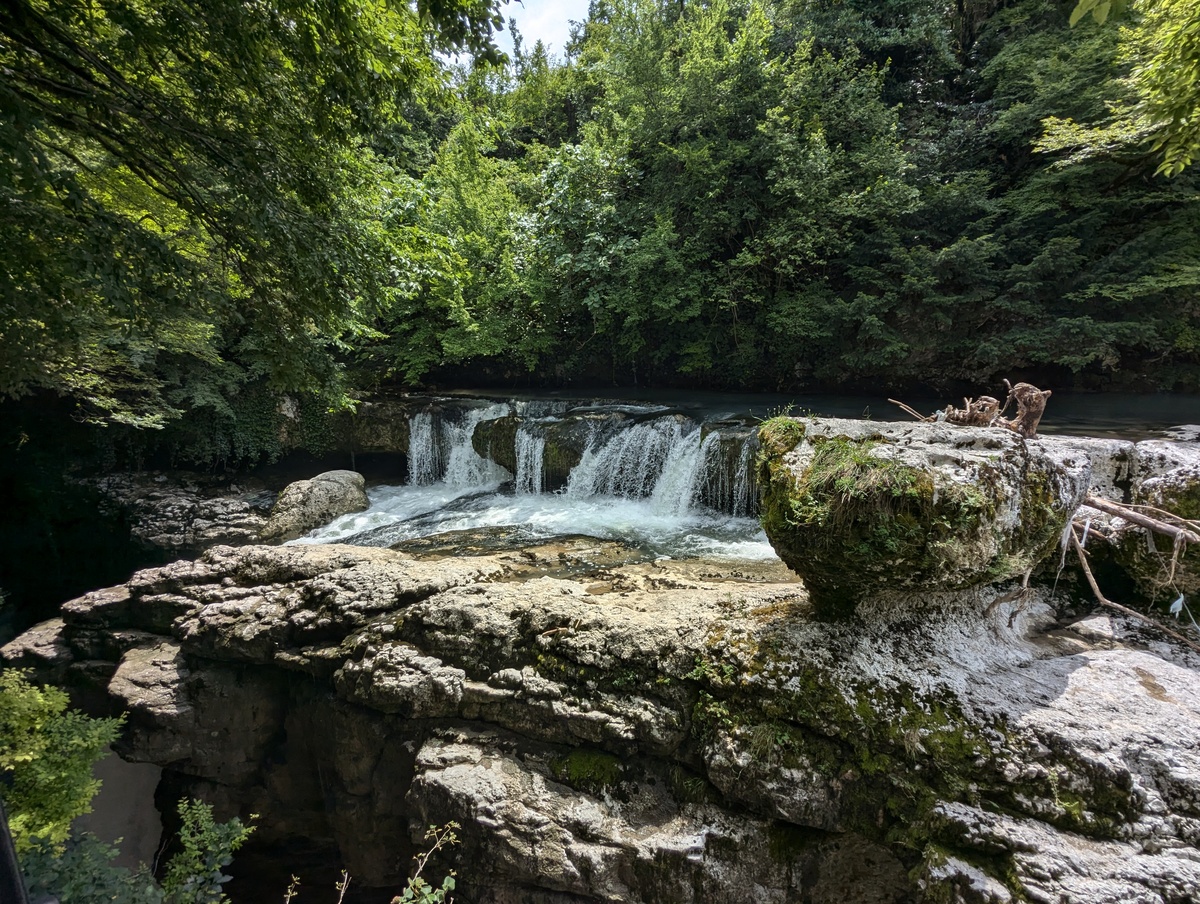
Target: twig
910,410
292,890
342,886
1125,610
1161,527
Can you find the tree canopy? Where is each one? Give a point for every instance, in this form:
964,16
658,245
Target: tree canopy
210,204
188,193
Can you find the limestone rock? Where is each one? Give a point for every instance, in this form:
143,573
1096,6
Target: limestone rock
1113,462
216,722
1167,477
856,507
307,504
628,839
678,738
181,512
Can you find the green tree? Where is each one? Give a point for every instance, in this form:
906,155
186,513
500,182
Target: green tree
48,749
1158,103
187,191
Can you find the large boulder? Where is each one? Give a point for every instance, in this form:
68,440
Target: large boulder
307,504
857,507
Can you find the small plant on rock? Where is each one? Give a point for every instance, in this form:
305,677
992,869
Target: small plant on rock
419,891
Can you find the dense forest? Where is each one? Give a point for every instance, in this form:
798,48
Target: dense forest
208,205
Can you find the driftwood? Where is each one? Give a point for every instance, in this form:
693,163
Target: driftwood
1082,555
1176,533
985,411
1031,405
981,412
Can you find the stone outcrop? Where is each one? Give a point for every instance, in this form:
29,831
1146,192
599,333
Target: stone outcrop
306,504
857,507
654,732
565,440
1160,474
180,512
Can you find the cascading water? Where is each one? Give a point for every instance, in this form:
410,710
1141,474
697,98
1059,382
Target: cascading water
465,468
439,450
633,462
530,454
645,477
424,450
729,483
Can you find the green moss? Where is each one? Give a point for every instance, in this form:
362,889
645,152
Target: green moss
587,770
1157,577
855,519
778,436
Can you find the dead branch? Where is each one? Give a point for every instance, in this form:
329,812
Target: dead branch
910,410
985,411
1169,517
1081,553
1179,534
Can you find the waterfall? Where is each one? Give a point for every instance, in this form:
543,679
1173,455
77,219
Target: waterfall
663,458
729,483
424,450
655,478
531,449
440,449
656,459
745,484
675,491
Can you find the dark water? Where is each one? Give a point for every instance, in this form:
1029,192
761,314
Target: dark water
1126,415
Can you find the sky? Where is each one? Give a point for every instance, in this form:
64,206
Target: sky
544,20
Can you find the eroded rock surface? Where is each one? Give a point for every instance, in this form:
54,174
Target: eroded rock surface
649,732
180,512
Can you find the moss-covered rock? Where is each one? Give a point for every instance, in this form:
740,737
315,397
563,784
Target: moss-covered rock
855,507
565,441
1166,477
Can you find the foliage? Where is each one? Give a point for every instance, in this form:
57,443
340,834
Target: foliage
752,194
81,871
187,191
420,891
193,876
49,751
1157,103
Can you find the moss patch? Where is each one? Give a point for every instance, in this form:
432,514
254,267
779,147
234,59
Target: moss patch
585,769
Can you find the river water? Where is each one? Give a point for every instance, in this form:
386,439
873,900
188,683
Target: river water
671,474
648,475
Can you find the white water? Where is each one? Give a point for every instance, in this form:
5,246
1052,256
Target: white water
637,460
439,450
640,485
531,450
